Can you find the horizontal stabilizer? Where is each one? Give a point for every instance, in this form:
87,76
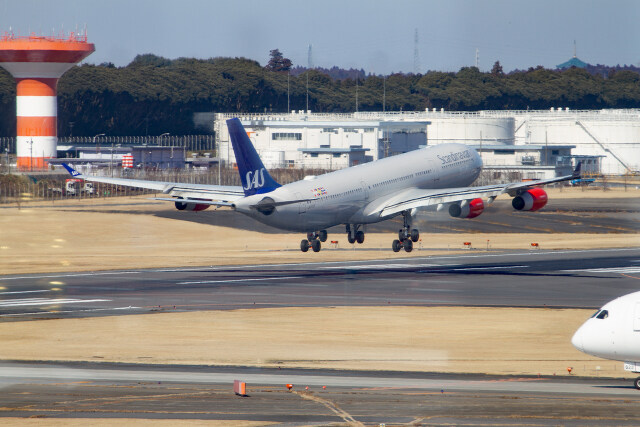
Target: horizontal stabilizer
195,201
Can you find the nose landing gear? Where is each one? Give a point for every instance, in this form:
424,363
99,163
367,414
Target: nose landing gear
313,241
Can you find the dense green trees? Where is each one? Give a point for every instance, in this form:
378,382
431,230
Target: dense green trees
153,95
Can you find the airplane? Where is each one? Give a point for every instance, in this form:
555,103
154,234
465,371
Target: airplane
613,332
437,175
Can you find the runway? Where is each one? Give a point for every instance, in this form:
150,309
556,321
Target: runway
138,391
536,278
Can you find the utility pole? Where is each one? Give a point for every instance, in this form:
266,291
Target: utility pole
416,54
357,78
384,93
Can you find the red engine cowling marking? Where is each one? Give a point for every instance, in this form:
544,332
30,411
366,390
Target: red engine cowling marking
530,200
196,207
471,210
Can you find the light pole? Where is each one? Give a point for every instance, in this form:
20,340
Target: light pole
159,143
94,142
31,155
160,137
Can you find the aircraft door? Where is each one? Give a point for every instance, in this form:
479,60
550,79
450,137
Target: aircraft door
636,318
365,189
302,206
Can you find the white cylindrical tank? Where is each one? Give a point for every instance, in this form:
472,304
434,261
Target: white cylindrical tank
614,136
470,129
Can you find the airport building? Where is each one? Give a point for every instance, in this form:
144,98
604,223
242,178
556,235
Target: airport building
88,158
539,144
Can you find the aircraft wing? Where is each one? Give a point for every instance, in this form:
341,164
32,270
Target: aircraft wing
218,195
413,198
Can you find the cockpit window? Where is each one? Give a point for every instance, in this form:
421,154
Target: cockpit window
603,314
596,313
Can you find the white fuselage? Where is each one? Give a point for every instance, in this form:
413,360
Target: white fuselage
342,197
613,332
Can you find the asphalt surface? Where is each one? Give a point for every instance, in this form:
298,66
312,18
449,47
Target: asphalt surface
576,215
535,278
317,397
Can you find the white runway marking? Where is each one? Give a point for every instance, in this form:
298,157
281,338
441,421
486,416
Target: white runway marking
608,270
35,313
379,266
504,267
24,292
241,280
46,301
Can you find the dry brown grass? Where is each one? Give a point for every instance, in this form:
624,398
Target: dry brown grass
99,234
511,341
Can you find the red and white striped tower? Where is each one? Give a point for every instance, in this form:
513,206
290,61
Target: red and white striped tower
37,63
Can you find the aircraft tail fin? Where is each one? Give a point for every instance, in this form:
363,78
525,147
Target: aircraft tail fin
254,176
577,171
74,173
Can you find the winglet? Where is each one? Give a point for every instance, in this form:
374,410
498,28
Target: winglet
71,170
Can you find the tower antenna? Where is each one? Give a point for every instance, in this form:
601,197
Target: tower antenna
416,54
310,57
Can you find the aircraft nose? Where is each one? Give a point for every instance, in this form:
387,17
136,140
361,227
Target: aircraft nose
577,341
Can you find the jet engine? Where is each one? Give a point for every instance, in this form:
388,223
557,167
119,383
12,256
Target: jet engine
530,200
266,206
467,210
181,206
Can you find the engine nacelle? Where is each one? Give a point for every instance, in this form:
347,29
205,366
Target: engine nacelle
197,207
530,200
470,210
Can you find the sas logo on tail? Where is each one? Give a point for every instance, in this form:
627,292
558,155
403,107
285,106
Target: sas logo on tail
254,179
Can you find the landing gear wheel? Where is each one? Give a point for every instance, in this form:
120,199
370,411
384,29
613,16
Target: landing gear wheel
396,246
322,235
304,245
415,235
408,245
401,235
351,239
315,245
636,383
360,236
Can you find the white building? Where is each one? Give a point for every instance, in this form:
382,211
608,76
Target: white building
326,141
539,143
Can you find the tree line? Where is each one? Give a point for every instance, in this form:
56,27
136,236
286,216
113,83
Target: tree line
153,95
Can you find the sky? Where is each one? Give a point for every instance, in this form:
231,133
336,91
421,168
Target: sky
375,35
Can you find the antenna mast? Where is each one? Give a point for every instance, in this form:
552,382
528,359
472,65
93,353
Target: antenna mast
416,54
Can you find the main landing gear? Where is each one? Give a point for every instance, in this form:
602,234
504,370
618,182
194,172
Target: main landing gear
313,241
354,234
636,383
406,235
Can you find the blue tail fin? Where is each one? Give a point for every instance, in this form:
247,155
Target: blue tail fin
254,176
